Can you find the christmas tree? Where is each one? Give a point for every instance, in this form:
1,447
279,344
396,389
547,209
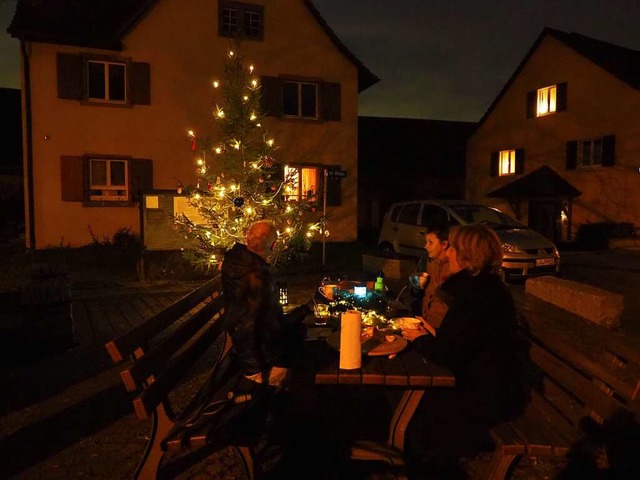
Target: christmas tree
239,180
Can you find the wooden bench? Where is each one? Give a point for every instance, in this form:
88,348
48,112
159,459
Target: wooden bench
568,389
162,350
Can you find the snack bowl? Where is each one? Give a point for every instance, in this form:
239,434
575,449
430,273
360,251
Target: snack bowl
407,323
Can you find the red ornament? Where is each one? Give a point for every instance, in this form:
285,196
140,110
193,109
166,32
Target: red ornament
193,145
210,186
267,162
313,209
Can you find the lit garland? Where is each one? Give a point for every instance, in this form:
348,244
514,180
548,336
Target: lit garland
239,181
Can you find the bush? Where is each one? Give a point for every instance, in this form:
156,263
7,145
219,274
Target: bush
596,235
126,239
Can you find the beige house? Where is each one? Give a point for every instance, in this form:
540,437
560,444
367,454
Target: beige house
110,90
559,145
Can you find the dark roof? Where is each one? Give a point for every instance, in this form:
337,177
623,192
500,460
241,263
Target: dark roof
104,23
543,182
437,146
620,62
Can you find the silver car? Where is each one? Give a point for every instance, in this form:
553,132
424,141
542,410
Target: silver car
526,252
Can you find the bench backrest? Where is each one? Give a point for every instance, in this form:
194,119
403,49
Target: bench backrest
165,346
577,386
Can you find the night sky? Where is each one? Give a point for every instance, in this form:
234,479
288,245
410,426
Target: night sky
438,59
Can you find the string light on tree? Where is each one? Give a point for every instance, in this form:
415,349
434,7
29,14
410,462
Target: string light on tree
243,181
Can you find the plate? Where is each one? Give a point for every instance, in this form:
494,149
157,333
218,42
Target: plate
372,346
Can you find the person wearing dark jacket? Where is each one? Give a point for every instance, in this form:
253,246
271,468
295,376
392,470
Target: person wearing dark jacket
264,340
479,343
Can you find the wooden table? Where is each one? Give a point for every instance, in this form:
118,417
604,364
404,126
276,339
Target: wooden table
408,372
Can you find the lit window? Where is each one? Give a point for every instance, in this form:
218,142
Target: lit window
106,81
300,183
241,19
546,101
300,99
507,162
590,153
109,180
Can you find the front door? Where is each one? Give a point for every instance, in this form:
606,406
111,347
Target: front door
544,217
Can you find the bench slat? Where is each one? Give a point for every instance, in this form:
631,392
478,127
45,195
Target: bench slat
154,359
157,391
126,344
509,442
556,422
574,382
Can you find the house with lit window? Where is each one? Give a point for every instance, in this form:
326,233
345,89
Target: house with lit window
559,145
111,88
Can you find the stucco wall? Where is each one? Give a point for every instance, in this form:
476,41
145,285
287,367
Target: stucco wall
598,104
179,40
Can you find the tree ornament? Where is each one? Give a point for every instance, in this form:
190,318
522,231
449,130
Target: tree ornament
267,162
273,188
210,186
261,180
238,202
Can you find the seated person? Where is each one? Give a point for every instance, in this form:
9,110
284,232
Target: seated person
479,343
436,244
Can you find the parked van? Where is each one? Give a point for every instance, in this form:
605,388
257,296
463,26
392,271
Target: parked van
526,252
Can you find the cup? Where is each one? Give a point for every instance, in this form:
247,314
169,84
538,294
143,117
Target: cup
321,313
419,280
327,290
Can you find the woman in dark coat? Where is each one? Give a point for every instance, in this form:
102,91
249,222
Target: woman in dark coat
478,342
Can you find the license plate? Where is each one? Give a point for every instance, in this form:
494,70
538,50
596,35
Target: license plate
542,262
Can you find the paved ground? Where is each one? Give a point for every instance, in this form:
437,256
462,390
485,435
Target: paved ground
67,416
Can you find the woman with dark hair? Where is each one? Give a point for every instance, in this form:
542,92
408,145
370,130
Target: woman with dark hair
479,343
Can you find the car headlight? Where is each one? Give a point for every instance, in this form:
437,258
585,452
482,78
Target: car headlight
509,248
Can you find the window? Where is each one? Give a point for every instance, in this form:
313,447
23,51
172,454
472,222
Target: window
433,215
108,180
409,214
106,81
103,80
546,101
307,99
104,181
591,153
507,164
300,99
301,183
238,19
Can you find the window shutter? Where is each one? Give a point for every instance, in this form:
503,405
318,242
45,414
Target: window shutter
519,161
561,97
271,99
72,178
331,101
334,191
572,155
532,98
140,83
609,151
141,177
493,169
70,76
